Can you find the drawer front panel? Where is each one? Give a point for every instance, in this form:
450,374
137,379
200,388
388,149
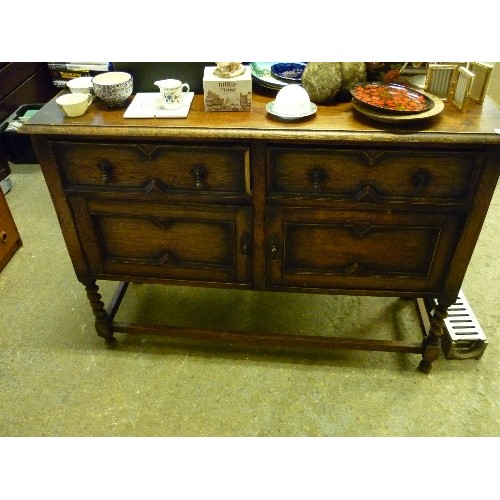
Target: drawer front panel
360,250
144,168
372,175
189,242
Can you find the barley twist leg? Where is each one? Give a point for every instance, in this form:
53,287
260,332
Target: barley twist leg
432,342
102,320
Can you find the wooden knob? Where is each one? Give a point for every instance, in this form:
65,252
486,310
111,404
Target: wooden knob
3,237
199,172
106,168
317,176
421,179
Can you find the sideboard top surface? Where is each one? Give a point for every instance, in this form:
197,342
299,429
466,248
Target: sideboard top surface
338,122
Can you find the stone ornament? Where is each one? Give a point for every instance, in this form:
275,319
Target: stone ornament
228,69
326,82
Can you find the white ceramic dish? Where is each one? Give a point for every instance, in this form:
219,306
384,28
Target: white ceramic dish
261,72
270,109
149,105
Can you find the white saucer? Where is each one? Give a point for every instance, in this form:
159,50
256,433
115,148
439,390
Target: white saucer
270,109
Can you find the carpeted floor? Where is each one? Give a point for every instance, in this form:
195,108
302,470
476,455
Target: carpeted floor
57,378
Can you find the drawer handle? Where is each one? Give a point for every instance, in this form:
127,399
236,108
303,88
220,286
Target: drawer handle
199,173
245,244
274,243
317,176
106,169
420,180
3,237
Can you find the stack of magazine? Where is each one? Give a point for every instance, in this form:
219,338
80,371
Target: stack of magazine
63,72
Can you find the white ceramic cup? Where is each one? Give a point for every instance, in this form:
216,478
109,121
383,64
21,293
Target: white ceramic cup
81,84
74,104
292,100
172,92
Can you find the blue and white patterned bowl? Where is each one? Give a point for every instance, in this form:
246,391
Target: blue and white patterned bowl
113,87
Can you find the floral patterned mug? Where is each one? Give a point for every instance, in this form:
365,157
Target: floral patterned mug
172,92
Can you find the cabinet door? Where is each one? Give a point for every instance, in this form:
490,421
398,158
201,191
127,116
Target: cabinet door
385,251
189,242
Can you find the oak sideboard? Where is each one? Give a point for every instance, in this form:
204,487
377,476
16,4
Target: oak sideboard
336,203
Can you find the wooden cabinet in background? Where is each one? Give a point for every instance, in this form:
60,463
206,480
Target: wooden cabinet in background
10,240
22,83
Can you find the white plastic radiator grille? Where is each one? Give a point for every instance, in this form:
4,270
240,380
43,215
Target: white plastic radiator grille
465,338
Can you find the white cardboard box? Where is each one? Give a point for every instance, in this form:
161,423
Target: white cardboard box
227,94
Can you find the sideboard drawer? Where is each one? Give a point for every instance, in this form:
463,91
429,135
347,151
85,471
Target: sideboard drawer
372,175
145,168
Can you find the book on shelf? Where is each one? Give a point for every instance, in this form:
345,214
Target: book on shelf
63,74
60,83
81,66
